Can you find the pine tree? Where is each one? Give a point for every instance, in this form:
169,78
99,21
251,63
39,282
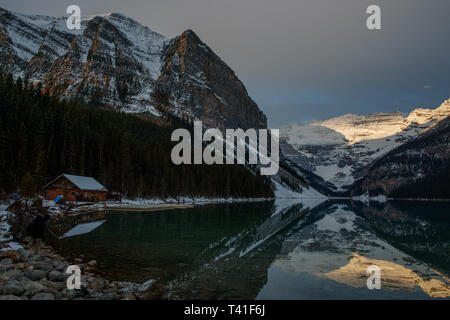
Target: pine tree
46,137
27,186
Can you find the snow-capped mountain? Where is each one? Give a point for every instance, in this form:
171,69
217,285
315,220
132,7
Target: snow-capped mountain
338,148
113,60
419,168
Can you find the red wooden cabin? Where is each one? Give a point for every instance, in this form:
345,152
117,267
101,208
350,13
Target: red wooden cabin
76,188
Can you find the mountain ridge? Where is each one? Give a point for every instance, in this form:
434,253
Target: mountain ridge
116,61
336,149
419,168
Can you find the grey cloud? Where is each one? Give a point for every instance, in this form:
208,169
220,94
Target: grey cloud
307,59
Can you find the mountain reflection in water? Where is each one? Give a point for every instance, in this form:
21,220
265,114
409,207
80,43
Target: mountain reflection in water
278,249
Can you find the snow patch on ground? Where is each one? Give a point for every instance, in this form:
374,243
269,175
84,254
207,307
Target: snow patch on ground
4,229
4,226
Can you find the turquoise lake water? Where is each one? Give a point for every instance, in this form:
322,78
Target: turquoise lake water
278,249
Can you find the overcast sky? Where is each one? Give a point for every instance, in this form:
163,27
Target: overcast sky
304,60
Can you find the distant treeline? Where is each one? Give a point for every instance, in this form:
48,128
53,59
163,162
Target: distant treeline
44,136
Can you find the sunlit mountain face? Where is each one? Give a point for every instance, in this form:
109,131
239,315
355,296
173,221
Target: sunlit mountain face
337,148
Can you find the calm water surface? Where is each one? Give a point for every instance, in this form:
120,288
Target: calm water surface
278,249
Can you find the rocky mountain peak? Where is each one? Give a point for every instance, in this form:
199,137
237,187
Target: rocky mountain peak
114,60
337,148
193,75
444,109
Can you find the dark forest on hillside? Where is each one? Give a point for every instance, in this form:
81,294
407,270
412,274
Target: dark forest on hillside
434,186
46,137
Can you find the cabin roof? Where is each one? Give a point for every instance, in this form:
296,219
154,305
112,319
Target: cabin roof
83,183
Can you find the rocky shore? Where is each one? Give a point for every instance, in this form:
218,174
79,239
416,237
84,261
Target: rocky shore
25,276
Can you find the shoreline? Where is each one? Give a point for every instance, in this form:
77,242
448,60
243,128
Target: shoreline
27,276
150,208
390,199
153,204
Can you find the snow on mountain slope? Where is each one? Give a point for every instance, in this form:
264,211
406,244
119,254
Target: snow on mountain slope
337,148
28,34
284,192
115,61
147,45
419,168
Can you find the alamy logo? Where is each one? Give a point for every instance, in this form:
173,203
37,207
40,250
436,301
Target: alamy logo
74,20
252,142
374,280
74,280
374,20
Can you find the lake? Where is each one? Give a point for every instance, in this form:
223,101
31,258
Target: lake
278,249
